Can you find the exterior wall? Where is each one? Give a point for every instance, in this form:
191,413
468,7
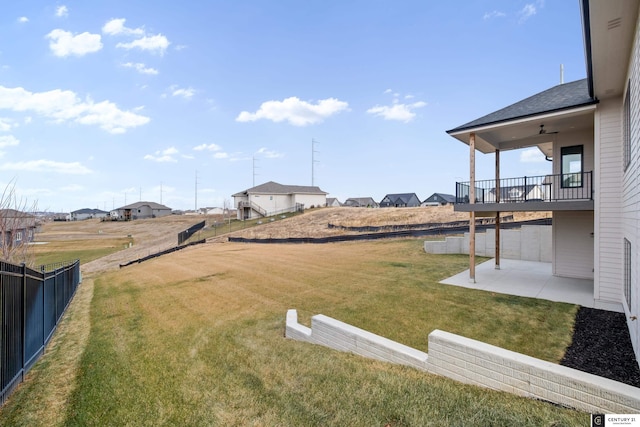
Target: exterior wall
530,243
608,254
272,202
631,196
568,139
309,200
572,235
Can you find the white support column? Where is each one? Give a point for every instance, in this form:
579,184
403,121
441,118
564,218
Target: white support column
472,214
497,255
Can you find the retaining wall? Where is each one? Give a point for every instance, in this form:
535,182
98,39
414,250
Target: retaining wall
478,363
529,243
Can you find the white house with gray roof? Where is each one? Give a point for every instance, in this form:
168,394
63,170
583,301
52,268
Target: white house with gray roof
88,213
272,198
590,130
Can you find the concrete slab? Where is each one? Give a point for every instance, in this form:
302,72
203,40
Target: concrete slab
530,279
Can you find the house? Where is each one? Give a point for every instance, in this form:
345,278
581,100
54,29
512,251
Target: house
140,210
439,199
332,202
514,193
87,213
16,227
590,129
361,202
272,198
404,200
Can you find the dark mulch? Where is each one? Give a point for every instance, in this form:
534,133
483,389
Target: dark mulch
601,345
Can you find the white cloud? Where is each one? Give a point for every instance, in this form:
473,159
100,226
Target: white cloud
62,11
531,155
530,9
163,156
116,27
63,105
5,124
295,111
221,156
70,168
269,154
141,68
72,187
397,111
494,14
388,91
23,20
154,44
209,147
185,93
63,43
8,141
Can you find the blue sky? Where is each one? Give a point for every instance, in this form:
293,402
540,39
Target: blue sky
104,103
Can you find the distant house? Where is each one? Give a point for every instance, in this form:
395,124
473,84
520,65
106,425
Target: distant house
272,198
140,210
361,202
516,193
332,202
86,213
16,227
404,200
439,199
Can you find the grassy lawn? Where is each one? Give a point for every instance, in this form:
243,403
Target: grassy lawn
84,250
196,338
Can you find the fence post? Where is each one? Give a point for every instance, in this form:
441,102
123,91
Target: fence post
23,327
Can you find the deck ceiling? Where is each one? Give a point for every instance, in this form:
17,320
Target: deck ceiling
525,132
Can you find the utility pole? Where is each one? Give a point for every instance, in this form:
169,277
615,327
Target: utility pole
196,207
160,192
313,160
254,170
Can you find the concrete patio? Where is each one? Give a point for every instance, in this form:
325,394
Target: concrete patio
531,279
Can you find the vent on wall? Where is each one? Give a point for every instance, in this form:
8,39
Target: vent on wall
614,23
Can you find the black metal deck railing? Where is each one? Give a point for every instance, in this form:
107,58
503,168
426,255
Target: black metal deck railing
545,188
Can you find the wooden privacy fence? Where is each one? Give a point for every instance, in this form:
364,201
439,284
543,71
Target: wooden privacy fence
31,305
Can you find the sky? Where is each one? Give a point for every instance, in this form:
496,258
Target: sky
106,103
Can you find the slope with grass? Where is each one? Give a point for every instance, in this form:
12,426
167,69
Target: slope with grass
196,338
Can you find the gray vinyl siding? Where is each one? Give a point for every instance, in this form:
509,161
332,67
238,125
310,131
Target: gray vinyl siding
608,201
631,194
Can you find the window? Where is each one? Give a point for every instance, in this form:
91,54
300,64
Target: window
626,123
571,166
18,236
627,273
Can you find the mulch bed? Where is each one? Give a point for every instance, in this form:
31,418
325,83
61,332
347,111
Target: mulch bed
602,346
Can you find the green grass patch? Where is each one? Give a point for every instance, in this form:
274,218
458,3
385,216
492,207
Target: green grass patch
197,339
84,250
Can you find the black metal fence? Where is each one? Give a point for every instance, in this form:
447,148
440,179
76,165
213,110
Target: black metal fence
183,236
544,188
31,305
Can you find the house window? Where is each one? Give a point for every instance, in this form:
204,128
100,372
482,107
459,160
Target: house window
571,165
18,236
626,123
627,273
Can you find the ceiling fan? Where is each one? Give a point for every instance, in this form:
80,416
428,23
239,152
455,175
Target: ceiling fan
543,131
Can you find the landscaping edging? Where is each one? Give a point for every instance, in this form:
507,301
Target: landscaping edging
474,362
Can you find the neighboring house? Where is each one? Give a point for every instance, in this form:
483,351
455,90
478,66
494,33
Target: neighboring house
514,193
439,199
404,200
140,210
332,202
361,202
16,227
590,129
87,213
272,198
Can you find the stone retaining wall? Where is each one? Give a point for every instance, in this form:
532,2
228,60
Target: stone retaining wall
478,363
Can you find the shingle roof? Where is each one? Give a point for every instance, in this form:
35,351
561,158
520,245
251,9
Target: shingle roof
449,198
89,211
152,205
562,97
403,197
360,201
272,187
